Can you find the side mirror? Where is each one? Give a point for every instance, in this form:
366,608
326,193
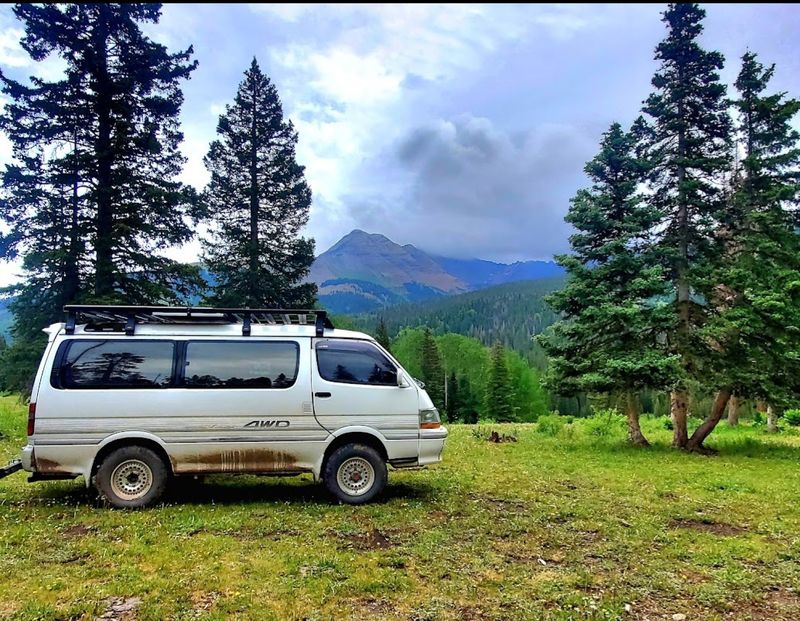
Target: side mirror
401,380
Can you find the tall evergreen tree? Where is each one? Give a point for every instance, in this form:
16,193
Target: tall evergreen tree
382,335
755,330
91,197
608,341
499,402
259,200
690,146
432,371
453,405
469,404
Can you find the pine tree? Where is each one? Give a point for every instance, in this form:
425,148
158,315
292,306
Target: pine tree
468,402
499,391
432,372
608,341
453,398
690,146
258,200
755,330
92,197
382,335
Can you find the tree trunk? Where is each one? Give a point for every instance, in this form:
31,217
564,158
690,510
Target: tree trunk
679,398
71,273
717,410
635,435
678,408
104,246
772,419
733,411
253,258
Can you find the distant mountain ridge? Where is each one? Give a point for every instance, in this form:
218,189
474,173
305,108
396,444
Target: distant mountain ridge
363,272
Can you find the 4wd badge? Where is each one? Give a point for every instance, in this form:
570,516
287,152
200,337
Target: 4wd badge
267,423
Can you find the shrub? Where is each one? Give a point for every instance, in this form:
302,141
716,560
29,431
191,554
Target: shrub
550,425
758,418
792,417
568,432
604,423
668,424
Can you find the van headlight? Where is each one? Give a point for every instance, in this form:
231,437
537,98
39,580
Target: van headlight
429,419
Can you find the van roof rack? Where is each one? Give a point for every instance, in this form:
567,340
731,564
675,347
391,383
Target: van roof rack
118,318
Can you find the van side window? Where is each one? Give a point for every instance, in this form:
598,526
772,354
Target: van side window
354,363
117,364
228,364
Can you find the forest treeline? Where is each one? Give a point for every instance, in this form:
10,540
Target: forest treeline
511,314
468,381
684,270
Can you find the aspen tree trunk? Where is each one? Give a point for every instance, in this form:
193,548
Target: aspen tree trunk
704,430
772,419
679,407
635,435
733,411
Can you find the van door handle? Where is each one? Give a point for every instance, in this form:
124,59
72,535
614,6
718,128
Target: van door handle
322,395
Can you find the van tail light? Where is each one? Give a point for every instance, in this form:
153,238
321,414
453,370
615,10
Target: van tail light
429,419
31,418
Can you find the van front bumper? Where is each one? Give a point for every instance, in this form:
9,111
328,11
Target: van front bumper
431,445
26,457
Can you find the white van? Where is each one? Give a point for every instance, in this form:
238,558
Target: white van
129,397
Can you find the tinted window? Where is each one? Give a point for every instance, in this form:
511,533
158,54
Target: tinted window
256,364
354,363
117,364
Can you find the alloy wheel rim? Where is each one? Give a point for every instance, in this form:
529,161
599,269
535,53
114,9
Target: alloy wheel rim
131,479
356,476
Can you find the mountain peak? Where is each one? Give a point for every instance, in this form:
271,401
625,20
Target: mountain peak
364,270
357,237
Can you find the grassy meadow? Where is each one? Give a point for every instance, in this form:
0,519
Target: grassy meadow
565,523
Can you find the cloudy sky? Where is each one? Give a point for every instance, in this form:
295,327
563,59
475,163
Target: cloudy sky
460,129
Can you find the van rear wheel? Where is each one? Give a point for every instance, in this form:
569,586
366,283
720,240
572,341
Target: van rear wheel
355,474
131,477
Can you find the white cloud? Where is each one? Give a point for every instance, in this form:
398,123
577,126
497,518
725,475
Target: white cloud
11,52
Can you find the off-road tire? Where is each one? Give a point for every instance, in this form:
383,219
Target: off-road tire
133,469
355,474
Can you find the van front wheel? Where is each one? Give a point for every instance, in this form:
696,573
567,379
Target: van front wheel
131,477
355,474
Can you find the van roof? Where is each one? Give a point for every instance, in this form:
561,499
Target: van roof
211,330
165,321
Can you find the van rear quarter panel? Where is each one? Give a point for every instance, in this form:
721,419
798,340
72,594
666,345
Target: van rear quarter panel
202,430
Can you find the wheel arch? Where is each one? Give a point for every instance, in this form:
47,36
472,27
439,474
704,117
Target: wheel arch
354,436
118,441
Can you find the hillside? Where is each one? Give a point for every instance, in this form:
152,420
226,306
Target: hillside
511,314
365,272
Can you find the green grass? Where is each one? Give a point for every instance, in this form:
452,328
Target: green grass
567,526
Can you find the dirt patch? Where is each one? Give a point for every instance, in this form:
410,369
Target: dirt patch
203,601
694,577
506,505
369,540
707,526
368,608
471,613
437,516
120,608
79,530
